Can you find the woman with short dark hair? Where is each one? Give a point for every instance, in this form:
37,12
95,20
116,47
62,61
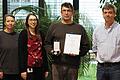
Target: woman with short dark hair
9,50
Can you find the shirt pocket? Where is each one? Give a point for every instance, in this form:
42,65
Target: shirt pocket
101,38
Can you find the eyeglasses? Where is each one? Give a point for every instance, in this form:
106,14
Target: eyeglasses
32,19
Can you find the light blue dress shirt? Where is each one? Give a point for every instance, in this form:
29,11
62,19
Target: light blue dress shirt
106,42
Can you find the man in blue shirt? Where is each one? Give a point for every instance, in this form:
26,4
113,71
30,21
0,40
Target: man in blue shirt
106,45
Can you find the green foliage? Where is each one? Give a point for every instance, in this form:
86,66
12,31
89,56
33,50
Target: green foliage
89,31
28,8
117,4
85,61
19,25
91,74
44,19
84,65
76,16
45,22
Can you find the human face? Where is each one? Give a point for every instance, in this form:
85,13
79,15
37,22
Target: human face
109,15
66,13
9,23
32,21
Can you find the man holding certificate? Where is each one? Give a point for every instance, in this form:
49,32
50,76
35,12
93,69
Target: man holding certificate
67,42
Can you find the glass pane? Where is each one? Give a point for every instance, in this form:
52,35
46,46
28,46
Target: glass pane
53,7
1,18
13,4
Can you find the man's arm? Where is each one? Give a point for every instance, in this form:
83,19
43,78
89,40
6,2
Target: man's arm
85,44
94,43
48,40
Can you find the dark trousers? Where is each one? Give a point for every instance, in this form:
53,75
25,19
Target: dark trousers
64,72
108,71
11,77
37,74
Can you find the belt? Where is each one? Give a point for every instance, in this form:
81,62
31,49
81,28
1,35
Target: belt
108,64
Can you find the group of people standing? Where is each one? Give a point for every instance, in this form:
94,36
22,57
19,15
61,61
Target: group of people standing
22,53
23,56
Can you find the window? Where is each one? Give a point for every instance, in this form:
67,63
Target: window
1,18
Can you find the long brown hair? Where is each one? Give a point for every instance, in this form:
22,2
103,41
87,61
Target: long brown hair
27,25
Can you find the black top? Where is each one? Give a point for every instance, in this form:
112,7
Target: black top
23,53
9,52
57,32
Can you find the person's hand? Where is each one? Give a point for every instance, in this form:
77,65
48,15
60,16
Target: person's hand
71,54
46,74
24,75
55,52
1,75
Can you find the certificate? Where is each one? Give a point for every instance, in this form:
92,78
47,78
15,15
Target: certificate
72,44
56,46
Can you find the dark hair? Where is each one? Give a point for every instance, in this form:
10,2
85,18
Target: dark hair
68,5
109,6
6,15
27,25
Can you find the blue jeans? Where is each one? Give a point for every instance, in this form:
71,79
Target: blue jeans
110,72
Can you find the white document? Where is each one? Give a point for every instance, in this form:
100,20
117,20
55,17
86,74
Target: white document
56,46
72,44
